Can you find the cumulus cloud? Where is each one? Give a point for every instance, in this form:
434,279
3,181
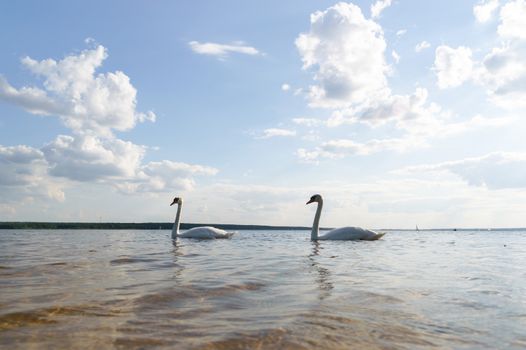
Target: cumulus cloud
273,132
309,122
396,56
398,108
498,170
422,46
285,87
336,149
92,105
85,101
88,158
452,66
512,24
21,165
483,11
346,51
502,71
222,50
401,32
418,133
159,176
378,7
24,172
32,99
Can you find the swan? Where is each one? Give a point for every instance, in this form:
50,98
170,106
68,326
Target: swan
203,232
342,233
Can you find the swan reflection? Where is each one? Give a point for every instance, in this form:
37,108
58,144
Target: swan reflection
322,275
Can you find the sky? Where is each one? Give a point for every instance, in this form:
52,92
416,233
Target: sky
400,113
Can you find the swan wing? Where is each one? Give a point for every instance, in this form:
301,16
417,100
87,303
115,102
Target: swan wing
218,233
205,232
351,234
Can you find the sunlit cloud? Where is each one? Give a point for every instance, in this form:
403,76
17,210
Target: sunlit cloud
452,66
483,11
222,50
92,106
275,132
396,56
422,46
401,32
498,170
378,7
501,72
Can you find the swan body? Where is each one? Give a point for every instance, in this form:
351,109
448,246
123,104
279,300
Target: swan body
342,233
203,232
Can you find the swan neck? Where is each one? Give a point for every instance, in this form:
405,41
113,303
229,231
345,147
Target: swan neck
316,223
175,228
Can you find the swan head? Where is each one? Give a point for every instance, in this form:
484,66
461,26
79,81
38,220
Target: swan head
315,198
177,200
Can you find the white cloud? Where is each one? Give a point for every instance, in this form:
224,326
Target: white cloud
84,101
422,46
401,32
483,11
513,25
346,50
336,149
21,165
356,89
395,56
309,122
285,87
23,173
222,50
32,99
89,158
273,132
419,131
93,106
398,108
378,7
452,66
498,170
501,72
163,175
348,53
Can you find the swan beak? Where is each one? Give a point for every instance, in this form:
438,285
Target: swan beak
310,201
173,202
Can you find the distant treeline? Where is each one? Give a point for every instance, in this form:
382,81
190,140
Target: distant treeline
133,226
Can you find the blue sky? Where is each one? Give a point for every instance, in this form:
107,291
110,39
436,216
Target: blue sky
398,112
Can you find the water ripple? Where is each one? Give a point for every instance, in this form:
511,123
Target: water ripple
264,290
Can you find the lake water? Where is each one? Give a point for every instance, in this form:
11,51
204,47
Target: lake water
262,290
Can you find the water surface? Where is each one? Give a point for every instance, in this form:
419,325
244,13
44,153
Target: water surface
261,289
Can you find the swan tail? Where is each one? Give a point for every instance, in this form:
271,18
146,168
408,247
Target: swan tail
376,236
379,235
226,235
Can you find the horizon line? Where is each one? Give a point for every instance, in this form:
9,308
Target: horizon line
168,225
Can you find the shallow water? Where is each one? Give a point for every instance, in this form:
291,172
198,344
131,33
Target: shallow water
262,289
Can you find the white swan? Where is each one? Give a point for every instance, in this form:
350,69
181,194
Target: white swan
342,233
203,232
